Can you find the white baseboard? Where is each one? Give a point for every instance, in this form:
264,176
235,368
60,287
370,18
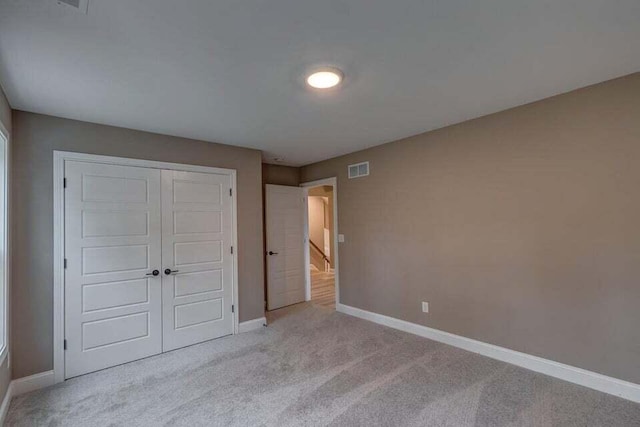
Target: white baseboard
251,325
24,385
610,385
32,382
4,409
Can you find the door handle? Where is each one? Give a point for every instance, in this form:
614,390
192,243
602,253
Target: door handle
273,253
169,271
153,273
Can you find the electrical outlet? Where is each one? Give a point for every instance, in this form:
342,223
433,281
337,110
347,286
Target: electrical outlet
425,307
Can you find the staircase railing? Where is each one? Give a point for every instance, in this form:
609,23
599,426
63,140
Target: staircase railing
324,256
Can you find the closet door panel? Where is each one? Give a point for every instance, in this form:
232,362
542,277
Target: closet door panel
196,257
113,303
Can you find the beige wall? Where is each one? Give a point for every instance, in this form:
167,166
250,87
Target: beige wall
280,175
521,228
35,138
5,374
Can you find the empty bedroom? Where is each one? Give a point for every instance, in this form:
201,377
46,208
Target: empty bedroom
336,213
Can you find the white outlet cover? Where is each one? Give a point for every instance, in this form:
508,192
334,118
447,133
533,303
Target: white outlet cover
340,238
425,307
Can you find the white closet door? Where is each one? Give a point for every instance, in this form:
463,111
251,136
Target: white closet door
196,253
285,245
112,245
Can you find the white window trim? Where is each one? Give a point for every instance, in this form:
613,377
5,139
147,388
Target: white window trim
59,157
5,143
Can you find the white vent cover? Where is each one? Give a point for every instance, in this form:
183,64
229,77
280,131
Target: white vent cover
358,170
79,5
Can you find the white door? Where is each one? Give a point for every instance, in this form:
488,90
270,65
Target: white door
149,263
285,245
112,245
197,258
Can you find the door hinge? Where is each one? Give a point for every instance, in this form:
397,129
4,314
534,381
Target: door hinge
232,249
64,183
65,263
65,344
233,308
231,192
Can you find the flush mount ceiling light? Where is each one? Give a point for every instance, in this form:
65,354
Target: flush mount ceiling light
324,78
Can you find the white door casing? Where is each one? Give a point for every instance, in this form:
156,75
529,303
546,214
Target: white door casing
100,216
197,239
285,214
112,242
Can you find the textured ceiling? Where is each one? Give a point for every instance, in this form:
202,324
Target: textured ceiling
232,71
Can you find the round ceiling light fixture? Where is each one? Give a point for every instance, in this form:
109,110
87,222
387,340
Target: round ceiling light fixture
325,78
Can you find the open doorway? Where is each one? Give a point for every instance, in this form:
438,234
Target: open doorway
321,239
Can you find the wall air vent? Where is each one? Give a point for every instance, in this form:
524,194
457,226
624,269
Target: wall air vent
358,170
78,5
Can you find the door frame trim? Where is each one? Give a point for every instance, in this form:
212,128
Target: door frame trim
333,181
59,157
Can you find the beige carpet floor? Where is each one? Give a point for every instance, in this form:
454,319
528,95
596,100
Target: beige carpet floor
315,367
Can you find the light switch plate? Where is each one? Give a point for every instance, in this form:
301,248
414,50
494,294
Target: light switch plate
340,238
425,307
